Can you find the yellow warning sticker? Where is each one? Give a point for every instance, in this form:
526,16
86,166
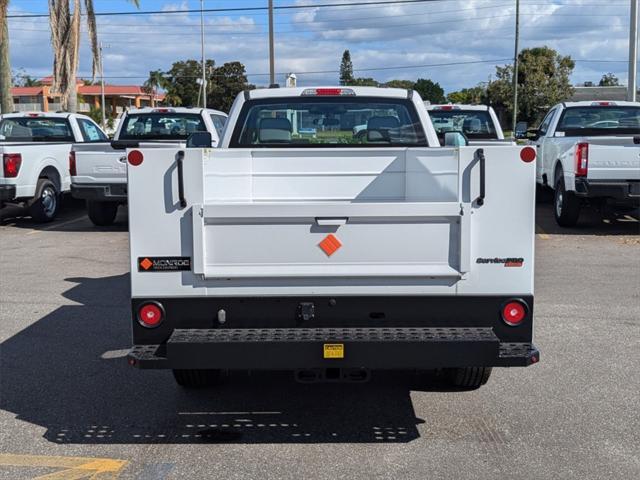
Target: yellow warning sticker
334,350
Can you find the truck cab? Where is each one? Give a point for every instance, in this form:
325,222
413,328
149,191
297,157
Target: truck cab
98,171
589,153
331,254
35,150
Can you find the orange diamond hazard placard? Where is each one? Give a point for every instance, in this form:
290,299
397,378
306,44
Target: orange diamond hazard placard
330,244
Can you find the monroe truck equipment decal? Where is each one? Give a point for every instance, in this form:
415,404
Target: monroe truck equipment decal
164,264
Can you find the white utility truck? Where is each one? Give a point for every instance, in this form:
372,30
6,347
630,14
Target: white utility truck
99,172
479,123
589,152
35,153
331,255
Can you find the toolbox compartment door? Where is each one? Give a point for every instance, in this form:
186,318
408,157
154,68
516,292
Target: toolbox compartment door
389,212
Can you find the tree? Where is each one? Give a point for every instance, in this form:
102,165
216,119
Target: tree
543,80
346,69
471,96
6,99
223,83
65,40
228,80
429,90
155,81
406,84
182,81
609,80
364,82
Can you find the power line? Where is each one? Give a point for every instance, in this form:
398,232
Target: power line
241,9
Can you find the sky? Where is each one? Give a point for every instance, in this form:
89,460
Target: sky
456,43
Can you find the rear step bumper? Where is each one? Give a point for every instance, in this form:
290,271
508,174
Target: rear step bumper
304,348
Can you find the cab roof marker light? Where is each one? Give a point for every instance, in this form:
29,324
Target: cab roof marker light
163,110
328,92
603,104
447,107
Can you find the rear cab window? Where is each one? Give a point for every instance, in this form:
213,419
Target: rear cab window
161,126
475,124
328,122
36,129
599,120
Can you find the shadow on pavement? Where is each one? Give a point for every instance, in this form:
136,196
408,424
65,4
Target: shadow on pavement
67,373
71,218
592,221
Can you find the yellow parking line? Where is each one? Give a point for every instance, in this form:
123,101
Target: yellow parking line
74,467
57,225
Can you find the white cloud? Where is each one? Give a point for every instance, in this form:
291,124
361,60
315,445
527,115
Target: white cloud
312,40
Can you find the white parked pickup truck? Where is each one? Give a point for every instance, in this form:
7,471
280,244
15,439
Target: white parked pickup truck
99,171
479,123
35,154
336,254
589,152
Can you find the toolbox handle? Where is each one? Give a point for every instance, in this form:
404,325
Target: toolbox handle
179,159
480,156
334,222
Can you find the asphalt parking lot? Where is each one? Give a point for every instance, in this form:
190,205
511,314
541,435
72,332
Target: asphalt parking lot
70,406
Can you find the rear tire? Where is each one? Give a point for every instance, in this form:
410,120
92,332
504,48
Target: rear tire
44,206
102,214
192,378
468,378
566,206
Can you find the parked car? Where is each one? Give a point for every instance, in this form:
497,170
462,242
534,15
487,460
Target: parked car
99,171
479,123
334,255
35,150
589,152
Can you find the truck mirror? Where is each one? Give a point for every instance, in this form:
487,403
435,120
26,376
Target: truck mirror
521,130
455,139
199,140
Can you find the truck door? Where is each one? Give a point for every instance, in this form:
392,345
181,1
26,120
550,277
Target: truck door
546,148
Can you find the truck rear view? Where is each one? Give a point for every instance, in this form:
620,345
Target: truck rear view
301,245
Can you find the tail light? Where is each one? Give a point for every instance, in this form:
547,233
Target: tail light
582,159
514,312
330,92
73,171
150,314
11,164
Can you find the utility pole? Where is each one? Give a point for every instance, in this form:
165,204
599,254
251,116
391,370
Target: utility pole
104,113
633,52
515,68
272,70
204,63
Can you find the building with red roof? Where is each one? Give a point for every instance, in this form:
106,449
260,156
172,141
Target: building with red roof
117,97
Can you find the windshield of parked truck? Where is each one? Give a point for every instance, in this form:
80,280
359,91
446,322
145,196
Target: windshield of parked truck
328,121
161,126
35,129
599,120
475,124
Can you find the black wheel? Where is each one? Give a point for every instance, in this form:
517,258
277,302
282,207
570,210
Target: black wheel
44,205
566,206
469,378
192,378
102,214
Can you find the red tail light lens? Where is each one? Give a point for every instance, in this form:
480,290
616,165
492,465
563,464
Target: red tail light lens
11,164
73,171
150,315
582,159
528,154
514,312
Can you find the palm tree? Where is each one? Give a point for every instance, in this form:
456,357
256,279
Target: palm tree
156,80
65,40
6,100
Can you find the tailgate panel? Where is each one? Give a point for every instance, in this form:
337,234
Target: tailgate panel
614,162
